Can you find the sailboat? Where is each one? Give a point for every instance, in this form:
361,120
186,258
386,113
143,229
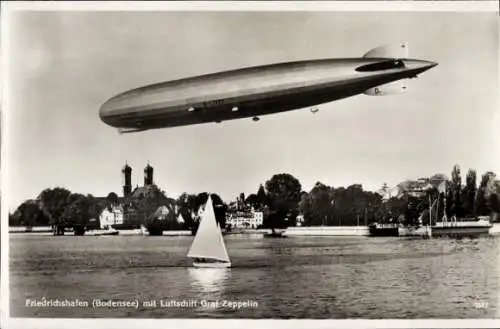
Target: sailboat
208,249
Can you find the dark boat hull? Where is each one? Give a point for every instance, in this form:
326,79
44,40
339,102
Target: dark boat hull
275,235
383,231
461,232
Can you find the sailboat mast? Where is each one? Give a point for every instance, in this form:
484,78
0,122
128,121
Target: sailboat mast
430,210
444,211
437,208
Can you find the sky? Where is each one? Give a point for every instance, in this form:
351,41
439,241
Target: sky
63,65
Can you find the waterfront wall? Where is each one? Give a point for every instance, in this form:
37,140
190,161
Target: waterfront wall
34,229
292,231
46,230
495,229
329,230
176,233
248,231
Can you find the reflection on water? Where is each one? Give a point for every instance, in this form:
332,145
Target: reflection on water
297,277
211,281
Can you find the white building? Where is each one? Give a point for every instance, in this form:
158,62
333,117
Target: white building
251,219
161,213
299,220
111,216
257,218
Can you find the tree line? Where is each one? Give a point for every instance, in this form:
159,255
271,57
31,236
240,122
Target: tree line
325,205
471,199
61,209
281,199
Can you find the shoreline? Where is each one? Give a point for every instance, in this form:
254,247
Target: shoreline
291,231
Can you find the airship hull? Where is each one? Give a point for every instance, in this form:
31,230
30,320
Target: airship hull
250,92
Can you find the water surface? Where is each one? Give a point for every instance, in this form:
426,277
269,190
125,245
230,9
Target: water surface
295,277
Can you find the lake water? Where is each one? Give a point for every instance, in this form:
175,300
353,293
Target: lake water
295,277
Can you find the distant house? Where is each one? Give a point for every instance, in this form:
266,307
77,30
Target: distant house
240,219
180,219
257,219
299,220
112,215
161,213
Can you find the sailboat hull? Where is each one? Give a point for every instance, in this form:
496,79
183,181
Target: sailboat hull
212,264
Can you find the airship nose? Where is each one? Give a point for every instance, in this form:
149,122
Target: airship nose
104,111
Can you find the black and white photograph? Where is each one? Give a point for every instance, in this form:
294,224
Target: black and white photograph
244,161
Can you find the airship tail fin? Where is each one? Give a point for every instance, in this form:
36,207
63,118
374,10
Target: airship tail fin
389,51
391,88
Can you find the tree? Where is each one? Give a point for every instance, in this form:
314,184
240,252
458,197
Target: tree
52,202
325,205
317,208
112,198
262,198
186,207
220,209
146,206
252,201
449,199
77,212
94,207
398,206
469,193
355,197
411,211
495,198
483,194
494,202
28,214
200,200
284,192
456,192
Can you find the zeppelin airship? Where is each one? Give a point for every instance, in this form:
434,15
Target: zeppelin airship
256,91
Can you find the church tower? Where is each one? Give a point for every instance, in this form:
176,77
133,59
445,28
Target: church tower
127,180
148,175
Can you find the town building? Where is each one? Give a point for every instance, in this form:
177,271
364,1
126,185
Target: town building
127,180
240,219
148,175
299,220
115,214
111,215
161,213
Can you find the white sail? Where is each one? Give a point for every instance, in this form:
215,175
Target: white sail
208,242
